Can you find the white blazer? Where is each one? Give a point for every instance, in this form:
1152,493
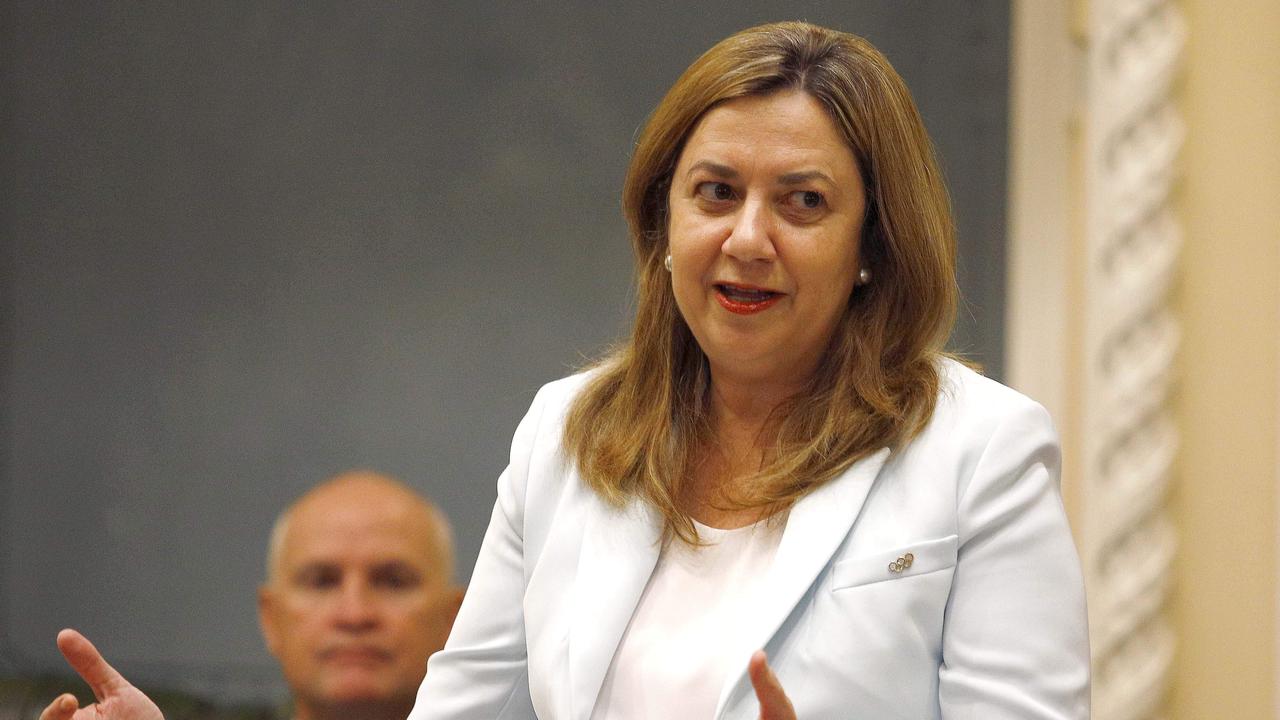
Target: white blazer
987,622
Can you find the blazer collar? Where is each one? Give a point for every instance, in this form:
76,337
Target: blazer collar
816,528
620,548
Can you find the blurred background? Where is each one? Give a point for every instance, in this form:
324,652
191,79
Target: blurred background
246,246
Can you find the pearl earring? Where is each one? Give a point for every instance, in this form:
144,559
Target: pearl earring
667,263
864,276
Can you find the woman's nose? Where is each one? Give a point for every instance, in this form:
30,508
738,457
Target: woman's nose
751,237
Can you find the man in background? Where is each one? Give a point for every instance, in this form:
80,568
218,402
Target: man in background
359,593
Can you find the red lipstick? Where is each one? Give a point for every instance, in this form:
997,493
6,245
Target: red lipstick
744,299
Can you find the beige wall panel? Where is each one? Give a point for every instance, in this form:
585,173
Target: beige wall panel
1224,602
1043,272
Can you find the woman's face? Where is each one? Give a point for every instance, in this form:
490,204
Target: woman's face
766,210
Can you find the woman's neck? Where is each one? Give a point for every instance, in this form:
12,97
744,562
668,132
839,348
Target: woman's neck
743,405
741,415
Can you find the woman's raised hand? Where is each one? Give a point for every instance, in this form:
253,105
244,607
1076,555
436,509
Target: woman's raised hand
774,704
117,699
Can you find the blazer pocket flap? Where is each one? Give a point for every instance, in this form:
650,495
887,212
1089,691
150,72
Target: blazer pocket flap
914,559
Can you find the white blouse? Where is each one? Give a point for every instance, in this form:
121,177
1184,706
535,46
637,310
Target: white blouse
682,641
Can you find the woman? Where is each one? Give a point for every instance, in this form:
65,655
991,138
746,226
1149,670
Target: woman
780,498
781,457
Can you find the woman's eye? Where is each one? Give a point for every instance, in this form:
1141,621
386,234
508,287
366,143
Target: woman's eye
807,199
716,191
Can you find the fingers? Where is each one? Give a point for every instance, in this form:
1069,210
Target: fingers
774,704
62,708
87,661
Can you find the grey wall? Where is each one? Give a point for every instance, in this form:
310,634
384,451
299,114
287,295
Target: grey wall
246,246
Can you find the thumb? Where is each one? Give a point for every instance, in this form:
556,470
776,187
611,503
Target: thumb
774,704
103,679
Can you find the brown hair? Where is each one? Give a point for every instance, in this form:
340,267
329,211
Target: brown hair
638,427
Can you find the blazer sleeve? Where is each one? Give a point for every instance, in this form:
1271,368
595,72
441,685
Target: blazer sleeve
482,672
1015,635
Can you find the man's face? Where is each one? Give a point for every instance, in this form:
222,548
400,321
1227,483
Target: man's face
358,599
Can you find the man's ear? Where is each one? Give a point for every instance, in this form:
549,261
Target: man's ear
456,594
267,618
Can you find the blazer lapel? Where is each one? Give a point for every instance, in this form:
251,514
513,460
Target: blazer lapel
816,527
620,548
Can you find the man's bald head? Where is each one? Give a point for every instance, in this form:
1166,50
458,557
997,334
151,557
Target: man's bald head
368,487
359,593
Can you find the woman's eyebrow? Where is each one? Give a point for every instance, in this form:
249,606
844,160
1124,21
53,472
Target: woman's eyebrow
799,178
728,173
714,168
